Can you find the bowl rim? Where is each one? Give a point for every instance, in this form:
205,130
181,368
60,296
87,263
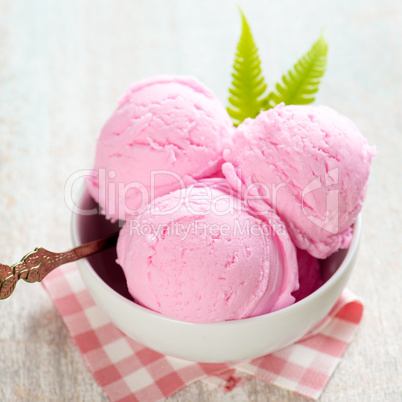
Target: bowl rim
352,250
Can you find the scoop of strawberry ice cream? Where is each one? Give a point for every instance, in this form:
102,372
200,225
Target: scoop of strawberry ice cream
166,132
199,256
310,164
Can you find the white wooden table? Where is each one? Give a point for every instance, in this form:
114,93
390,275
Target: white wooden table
63,65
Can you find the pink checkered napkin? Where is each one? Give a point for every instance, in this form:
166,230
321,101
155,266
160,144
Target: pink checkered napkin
128,371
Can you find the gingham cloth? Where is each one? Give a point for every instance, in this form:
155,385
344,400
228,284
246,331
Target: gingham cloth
129,371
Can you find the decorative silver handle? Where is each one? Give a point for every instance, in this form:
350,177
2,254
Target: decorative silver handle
34,266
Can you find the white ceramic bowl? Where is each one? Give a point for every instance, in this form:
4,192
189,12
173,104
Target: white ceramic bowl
213,343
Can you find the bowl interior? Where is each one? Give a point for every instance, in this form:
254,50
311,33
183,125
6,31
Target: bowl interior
94,226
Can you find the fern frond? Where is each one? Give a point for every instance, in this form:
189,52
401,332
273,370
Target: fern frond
301,83
246,95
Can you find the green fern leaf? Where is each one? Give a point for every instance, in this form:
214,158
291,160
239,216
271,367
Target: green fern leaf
246,97
300,84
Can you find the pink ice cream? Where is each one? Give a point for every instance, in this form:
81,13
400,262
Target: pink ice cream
311,165
309,275
166,132
197,255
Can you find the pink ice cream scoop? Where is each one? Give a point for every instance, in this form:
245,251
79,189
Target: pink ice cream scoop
166,131
309,275
197,255
311,165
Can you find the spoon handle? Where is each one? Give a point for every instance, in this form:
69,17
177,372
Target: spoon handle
34,266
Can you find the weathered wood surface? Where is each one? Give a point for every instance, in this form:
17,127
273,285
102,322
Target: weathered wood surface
64,64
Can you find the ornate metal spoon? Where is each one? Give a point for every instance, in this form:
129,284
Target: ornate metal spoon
36,265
